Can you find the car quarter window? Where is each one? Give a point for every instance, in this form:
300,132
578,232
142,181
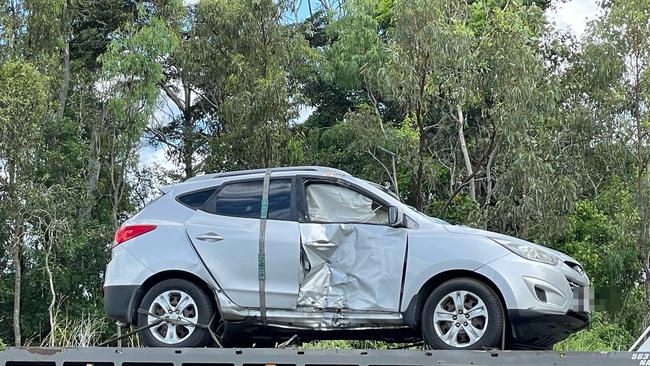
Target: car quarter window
195,200
334,203
244,199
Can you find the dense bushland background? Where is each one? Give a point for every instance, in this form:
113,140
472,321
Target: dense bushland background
477,112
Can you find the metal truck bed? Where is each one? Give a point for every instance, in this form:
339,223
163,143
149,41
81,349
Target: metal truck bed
106,356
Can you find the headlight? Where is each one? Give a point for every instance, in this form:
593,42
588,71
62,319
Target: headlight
529,252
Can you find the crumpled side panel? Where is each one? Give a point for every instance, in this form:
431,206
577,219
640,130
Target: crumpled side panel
352,266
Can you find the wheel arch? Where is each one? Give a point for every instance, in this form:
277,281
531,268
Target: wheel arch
413,313
166,275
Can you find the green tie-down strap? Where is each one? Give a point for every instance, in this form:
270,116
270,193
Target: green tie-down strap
264,212
261,257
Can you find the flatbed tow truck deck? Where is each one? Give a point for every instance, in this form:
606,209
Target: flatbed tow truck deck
639,355
108,356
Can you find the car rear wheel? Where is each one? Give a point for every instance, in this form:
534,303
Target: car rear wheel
462,313
182,305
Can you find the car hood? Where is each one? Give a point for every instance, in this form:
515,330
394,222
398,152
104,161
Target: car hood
458,229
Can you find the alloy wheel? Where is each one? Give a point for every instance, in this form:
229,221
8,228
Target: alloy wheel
180,313
460,319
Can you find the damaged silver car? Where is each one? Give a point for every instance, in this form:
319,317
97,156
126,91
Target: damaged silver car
260,256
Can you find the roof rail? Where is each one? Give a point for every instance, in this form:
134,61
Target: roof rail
260,171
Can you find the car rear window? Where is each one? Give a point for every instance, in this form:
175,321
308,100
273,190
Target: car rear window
244,199
196,199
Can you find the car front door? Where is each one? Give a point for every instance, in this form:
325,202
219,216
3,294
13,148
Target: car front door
350,257
226,232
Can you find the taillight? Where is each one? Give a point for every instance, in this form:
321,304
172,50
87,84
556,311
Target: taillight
131,231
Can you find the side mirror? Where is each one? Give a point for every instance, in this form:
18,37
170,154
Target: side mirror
395,217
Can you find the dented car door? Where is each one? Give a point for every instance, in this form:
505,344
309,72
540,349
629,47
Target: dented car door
351,258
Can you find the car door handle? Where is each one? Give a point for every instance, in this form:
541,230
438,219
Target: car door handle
212,237
318,244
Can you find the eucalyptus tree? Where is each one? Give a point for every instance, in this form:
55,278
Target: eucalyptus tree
23,103
520,96
430,61
243,51
352,65
40,137
132,70
30,45
617,54
179,123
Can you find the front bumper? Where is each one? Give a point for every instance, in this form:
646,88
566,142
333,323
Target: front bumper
118,302
531,329
547,289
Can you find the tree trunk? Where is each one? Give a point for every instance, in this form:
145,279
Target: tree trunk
646,318
65,83
393,173
115,175
644,233
115,204
489,189
93,168
269,148
18,277
188,127
50,308
17,243
463,148
643,184
419,175
643,243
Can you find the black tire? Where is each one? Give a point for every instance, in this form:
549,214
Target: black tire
199,337
492,324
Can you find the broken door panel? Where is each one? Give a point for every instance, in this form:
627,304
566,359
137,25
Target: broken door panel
351,266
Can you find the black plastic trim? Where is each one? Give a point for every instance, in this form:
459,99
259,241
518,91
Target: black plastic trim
411,316
117,302
532,329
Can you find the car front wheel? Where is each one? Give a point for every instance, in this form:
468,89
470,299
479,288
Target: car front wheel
462,313
182,305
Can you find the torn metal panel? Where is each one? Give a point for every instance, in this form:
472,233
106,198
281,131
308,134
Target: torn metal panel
351,266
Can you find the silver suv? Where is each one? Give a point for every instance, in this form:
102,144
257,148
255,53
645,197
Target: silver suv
262,255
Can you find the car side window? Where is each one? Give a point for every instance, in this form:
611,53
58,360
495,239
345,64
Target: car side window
332,203
244,199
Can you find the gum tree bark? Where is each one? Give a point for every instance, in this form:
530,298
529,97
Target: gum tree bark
17,247
463,148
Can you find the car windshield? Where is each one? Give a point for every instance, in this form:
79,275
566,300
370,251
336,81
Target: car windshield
392,194
435,220
384,189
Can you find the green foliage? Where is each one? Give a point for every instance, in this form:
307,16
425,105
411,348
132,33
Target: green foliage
600,234
23,102
132,69
248,91
357,52
602,335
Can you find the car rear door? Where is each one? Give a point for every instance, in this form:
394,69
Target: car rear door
226,232
351,258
